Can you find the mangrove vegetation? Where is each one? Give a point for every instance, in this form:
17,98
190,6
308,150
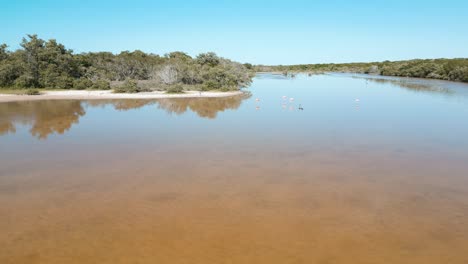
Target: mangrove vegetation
40,64
47,64
443,69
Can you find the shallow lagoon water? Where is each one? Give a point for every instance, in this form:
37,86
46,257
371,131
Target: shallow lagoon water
373,170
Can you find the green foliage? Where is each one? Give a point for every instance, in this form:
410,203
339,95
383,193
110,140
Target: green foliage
177,88
178,55
82,84
129,86
32,92
445,69
211,85
24,81
3,52
210,59
48,64
101,85
9,72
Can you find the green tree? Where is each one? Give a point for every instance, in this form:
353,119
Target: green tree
32,48
210,59
3,52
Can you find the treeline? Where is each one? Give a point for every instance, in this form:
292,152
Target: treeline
444,69
48,64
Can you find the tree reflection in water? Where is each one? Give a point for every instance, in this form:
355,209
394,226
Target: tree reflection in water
58,116
204,107
412,84
45,117
122,104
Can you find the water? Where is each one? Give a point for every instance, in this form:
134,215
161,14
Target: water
373,169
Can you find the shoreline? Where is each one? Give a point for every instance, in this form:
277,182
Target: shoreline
108,94
371,75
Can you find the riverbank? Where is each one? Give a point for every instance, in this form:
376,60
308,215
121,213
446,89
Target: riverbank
108,94
439,69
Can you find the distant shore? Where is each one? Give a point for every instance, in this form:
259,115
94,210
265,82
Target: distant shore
108,94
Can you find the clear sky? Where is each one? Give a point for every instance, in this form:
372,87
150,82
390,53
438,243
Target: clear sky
260,32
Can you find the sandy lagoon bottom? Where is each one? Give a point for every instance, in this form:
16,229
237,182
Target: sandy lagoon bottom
164,207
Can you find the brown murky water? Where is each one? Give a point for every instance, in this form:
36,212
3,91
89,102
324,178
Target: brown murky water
238,181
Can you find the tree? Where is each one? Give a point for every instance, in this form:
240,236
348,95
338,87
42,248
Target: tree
32,49
3,52
168,74
49,64
210,59
178,55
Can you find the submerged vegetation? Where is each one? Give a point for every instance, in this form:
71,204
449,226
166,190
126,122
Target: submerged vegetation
48,64
444,69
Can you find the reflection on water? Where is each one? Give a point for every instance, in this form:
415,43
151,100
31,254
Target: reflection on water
44,117
204,107
58,116
124,104
273,76
413,84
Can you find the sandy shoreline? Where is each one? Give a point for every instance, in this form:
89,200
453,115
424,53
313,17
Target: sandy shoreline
108,94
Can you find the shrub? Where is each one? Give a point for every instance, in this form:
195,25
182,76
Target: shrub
209,58
101,85
129,86
62,82
228,88
24,81
178,88
211,85
32,92
82,83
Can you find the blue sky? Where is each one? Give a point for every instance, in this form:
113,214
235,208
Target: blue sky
260,32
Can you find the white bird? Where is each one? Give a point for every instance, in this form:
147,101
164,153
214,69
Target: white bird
257,100
357,100
291,99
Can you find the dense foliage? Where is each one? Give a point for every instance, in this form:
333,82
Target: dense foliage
48,64
445,69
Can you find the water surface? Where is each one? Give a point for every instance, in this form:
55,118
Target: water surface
372,170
